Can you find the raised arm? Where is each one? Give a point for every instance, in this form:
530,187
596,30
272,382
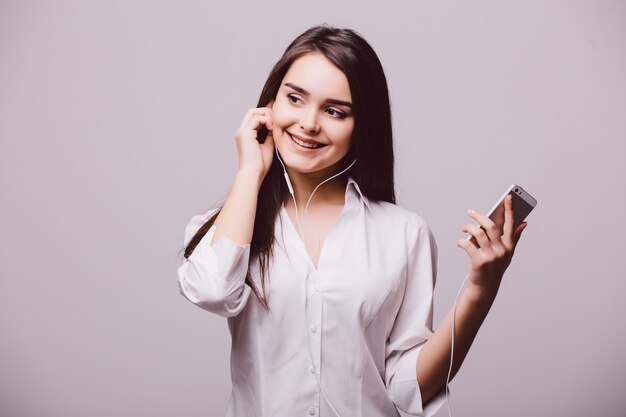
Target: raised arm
236,219
213,277
488,263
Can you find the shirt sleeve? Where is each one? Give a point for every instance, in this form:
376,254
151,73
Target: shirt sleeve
413,325
213,277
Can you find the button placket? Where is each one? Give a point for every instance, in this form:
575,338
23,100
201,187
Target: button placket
314,314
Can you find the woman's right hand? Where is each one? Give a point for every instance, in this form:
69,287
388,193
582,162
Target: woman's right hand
254,157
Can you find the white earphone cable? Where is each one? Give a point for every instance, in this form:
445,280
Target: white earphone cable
317,248
292,192
452,346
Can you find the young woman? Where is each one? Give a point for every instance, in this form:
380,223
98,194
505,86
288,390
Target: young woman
326,283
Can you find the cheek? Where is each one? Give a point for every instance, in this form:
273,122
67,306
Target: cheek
341,134
284,117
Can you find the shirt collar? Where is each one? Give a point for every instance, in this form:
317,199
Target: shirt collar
354,192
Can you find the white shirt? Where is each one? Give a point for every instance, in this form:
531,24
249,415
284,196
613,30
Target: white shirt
357,322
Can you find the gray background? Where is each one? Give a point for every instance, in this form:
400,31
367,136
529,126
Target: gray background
117,123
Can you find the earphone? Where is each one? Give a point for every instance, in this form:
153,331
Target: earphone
292,192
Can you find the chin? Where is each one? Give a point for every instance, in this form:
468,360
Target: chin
306,167
296,163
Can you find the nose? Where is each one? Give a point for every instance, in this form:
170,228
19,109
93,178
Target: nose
309,122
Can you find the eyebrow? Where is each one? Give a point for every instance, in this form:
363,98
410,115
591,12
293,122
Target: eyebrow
328,100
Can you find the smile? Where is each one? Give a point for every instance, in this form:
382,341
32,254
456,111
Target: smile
303,144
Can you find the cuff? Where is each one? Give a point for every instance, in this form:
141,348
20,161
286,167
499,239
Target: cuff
408,397
228,260
213,277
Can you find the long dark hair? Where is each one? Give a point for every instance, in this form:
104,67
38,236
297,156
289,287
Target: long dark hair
371,143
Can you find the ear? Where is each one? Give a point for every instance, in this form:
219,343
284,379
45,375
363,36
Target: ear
271,104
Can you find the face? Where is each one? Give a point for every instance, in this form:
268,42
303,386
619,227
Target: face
313,120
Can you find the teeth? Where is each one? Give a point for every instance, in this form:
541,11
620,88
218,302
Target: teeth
304,144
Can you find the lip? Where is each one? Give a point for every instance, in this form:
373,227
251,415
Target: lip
302,149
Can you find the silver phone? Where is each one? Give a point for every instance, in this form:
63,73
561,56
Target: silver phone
523,204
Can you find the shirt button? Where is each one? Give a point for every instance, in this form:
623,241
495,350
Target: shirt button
312,369
315,288
312,411
314,328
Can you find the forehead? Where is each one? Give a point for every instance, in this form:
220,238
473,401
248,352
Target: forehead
316,74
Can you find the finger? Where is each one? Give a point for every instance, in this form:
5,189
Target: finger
509,218
490,228
468,246
270,121
251,113
255,122
261,110
518,232
479,234
472,239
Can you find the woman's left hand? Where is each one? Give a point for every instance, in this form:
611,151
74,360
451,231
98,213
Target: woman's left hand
494,252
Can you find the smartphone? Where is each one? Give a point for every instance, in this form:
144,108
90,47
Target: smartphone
261,134
523,204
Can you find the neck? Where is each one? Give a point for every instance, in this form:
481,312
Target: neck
331,192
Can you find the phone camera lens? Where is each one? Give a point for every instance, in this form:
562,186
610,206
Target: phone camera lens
516,190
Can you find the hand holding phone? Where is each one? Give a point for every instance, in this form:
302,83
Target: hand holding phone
523,204
490,259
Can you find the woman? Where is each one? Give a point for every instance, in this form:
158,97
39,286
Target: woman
326,283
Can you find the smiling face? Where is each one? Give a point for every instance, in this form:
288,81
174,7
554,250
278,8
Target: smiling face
313,120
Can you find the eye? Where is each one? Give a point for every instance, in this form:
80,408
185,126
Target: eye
336,113
293,99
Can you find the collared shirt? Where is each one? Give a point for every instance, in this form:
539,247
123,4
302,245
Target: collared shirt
342,339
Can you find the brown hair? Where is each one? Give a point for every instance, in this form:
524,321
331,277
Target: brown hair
371,143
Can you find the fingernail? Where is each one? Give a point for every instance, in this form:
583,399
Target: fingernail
470,211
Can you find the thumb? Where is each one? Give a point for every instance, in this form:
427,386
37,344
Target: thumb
518,232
